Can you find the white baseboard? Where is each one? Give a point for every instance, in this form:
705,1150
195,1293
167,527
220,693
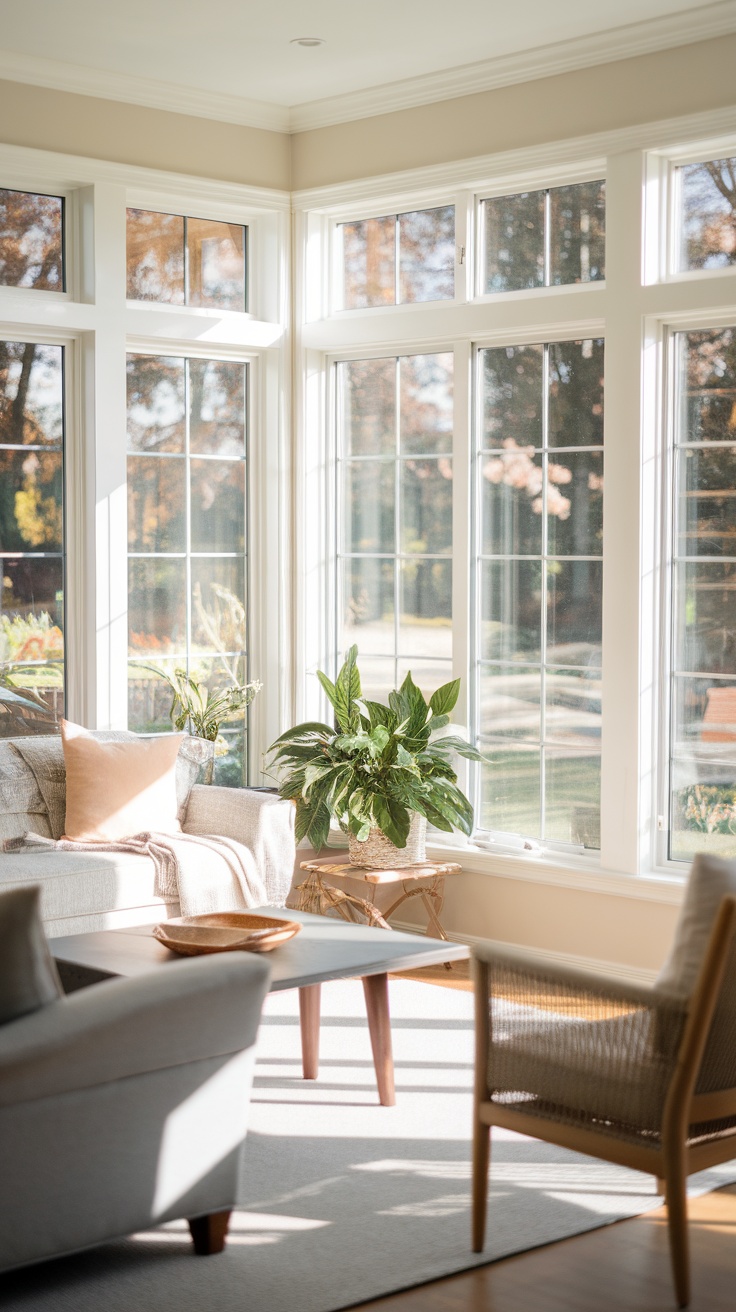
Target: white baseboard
630,974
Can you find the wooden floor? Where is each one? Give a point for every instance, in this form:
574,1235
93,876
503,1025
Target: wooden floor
619,1268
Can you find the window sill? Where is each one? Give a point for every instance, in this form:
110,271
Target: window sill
581,873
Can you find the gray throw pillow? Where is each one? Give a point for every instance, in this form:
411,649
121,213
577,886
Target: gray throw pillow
28,976
710,880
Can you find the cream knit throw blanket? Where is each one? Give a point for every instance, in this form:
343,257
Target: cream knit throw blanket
206,873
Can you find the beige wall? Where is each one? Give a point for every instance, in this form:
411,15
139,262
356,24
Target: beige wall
131,134
628,932
663,85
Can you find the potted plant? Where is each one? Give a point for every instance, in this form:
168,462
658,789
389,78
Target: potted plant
380,771
202,712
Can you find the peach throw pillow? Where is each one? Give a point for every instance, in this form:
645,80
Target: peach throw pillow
114,790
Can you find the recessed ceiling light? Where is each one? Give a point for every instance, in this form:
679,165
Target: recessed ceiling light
307,41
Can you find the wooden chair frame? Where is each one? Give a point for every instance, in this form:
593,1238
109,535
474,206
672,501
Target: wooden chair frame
674,1159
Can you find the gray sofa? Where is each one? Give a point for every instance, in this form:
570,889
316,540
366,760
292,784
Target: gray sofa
85,891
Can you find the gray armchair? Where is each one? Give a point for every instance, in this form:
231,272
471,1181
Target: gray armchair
125,1105
641,1076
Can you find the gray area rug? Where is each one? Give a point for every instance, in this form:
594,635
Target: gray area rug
344,1200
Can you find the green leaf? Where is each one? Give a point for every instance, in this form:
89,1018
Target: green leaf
445,698
417,706
437,722
405,760
393,819
312,824
313,773
452,804
455,744
380,737
302,730
347,691
329,688
377,713
351,742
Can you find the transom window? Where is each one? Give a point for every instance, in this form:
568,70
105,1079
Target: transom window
544,238
31,241
707,214
398,258
183,261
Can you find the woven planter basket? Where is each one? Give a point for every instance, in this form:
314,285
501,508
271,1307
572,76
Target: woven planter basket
379,853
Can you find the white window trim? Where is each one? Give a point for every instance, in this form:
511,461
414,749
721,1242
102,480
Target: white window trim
641,301
97,325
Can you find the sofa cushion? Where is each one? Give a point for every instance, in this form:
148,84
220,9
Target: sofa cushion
44,756
81,883
114,790
21,805
28,976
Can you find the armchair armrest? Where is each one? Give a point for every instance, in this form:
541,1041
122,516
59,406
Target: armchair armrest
181,1013
261,821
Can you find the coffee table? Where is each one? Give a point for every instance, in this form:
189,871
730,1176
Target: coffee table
323,950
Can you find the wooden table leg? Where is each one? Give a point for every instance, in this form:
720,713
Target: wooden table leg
309,1000
375,988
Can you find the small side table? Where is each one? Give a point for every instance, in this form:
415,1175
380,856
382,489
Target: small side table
425,880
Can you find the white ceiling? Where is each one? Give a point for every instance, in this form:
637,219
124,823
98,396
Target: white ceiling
241,48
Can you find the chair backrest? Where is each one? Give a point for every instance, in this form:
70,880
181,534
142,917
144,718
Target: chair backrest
703,1087
718,1062
709,881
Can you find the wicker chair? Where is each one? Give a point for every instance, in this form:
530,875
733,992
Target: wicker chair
639,1076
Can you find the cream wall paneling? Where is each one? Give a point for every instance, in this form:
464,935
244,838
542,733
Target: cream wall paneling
635,309
98,326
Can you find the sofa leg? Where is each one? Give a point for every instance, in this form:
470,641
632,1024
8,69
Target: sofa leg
209,1232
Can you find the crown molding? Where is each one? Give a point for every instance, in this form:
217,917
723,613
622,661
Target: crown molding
625,42
526,66
132,90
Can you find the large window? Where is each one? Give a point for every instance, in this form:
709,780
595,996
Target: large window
124,529
187,444
538,624
703,696
31,537
395,498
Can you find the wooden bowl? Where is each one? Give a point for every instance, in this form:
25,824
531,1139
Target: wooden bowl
224,931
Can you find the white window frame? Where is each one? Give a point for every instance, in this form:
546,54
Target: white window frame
99,326
641,301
